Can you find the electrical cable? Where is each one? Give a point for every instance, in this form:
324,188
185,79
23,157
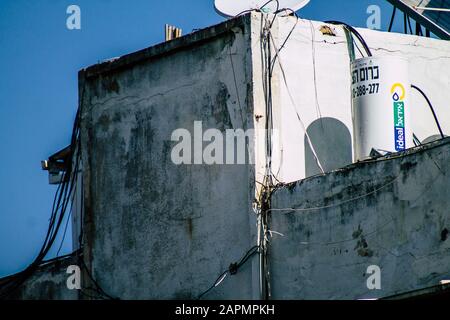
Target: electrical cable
266,53
299,118
431,108
375,231
355,32
340,203
416,141
275,14
59,208
258,9
409,24
17,280
287,37
419,28
216,283
405,24
92,297
65,232
391,23
232,270
236,85
357,47
316,94
98,288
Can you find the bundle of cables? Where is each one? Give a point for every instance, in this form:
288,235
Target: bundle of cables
62,204
354,32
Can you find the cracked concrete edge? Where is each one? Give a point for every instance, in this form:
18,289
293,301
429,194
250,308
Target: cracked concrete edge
164,48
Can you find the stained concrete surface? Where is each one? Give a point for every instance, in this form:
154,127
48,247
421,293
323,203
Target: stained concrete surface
391,212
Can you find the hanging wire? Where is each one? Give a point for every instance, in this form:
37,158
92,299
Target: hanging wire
232,270
431,108
299,118
316,94
337,204
61,202
355,33
391,23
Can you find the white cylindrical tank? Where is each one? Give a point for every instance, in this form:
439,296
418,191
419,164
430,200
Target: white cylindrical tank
380,106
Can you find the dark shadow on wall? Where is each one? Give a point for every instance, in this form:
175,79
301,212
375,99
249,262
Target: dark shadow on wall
332,142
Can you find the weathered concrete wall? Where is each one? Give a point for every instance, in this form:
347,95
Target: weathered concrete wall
181,226
153,229
392,212
156,230
49,282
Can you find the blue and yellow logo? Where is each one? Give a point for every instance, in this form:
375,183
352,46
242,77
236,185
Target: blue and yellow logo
398,96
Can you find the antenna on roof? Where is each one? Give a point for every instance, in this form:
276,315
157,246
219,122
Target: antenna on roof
233,8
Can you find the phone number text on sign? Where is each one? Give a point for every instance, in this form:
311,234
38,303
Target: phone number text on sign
361,76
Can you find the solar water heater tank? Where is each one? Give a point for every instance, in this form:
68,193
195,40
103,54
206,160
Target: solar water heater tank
380,106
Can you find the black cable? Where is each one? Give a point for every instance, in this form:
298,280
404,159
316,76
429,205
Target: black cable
98,289
65,232
409,24
292,30
232,270
249,254
242,12
92,297
80,239
267,75
355,32
419,29
17,280
287,37
59,207
357,47
431,108
258,9
416,140
269,109
72,254
276,11
405,27
265,4
391,23
213,286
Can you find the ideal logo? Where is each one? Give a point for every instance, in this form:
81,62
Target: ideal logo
398,96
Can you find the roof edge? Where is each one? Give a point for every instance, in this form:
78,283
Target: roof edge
356,165
163,48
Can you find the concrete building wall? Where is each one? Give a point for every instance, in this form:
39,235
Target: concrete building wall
156,230
179,231
153,229
392,212
49,282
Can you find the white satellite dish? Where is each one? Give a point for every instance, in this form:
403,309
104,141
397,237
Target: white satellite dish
232,8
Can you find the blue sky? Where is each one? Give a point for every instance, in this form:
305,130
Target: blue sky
39,61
